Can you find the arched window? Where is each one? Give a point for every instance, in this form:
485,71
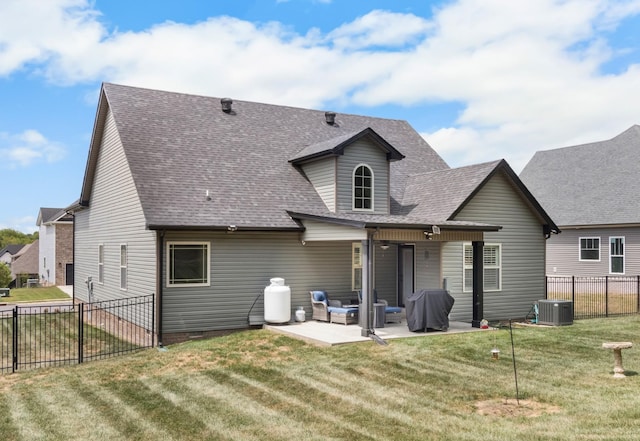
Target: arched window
362,188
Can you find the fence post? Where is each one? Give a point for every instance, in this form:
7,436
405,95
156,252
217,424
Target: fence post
80,332
638,293
573,290
606,296
14,367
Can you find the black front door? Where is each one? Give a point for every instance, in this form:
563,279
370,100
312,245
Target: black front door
68,279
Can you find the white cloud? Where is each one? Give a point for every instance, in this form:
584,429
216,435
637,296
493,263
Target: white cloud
34,31
25,224
381,29
527,73
27,147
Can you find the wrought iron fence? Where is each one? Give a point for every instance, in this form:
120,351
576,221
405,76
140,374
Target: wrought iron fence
38,336
597,296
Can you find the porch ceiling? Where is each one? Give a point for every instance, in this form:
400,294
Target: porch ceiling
418,235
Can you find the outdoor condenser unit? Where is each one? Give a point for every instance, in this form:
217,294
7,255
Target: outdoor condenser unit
555,312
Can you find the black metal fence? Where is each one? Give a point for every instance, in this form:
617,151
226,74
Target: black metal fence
594,297
38,336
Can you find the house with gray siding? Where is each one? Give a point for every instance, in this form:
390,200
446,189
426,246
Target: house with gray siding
591,191
200,201
55,263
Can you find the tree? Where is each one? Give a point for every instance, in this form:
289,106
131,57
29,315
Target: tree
5,275
13,237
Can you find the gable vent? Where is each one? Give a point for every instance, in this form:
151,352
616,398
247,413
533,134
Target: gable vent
330,117
226,104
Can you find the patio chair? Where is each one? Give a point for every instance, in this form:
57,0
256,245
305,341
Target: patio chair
331,311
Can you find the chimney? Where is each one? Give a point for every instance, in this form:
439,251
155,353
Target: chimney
226,104
330,117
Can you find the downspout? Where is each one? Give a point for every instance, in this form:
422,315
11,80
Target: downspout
73,257
159,266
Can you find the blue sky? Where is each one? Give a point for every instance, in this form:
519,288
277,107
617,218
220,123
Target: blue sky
479,79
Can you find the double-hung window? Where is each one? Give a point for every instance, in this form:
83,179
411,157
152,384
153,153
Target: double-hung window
356,266
616,256
590,248
362,188
188,263
492,263
123,267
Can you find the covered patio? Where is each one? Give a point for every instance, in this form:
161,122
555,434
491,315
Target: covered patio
331,334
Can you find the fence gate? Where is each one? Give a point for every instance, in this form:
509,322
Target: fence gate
38,336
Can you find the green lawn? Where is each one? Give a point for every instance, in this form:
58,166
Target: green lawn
35,295
255,385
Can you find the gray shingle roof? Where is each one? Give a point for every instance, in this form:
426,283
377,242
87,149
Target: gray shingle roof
11,249
589,184
52,214
336,146
440,193
179,146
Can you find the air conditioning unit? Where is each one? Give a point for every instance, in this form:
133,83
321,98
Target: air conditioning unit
555,312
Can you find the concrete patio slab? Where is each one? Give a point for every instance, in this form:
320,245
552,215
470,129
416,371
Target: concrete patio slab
330,334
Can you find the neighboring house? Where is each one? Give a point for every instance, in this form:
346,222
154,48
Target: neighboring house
200,201
56,246
592,191
25,264
6,256
7,253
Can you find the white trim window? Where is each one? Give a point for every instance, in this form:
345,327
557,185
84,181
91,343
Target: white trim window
589,249
188,263
616,255
362,188
101,264
492,262
356,266
124,258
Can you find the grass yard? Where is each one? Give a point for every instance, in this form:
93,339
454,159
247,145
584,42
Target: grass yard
35,295
255,385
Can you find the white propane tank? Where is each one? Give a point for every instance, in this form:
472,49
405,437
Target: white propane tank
277,302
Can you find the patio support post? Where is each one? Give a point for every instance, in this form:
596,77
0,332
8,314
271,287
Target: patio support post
367,279
478,283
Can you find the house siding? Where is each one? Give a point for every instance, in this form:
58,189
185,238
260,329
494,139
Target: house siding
241,266
563,252
64,250
47,254
322,175
325,231
386,273
114,218
523,253
428,267
363,153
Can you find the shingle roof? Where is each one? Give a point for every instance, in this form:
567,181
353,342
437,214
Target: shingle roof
11,249
47,215
27,262
336,146
442,192
589,184
179,146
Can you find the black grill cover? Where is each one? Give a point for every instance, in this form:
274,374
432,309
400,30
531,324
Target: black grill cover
429,309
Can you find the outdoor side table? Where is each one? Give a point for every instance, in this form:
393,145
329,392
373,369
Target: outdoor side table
617,347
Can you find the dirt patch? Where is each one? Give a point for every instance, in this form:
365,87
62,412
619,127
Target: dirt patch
511,408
